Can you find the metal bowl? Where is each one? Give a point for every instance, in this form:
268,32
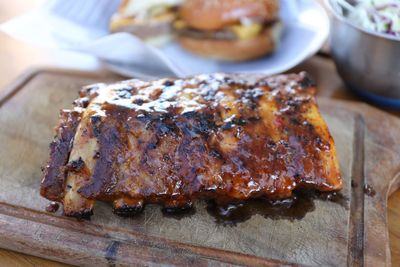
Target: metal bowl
368,62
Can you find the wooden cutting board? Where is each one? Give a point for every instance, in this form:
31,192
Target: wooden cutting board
350,232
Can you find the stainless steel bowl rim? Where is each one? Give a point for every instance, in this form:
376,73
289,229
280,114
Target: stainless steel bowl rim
354,25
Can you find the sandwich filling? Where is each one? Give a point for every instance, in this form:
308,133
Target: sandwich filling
245,29
136,13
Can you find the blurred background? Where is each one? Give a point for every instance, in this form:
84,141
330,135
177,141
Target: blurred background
17,57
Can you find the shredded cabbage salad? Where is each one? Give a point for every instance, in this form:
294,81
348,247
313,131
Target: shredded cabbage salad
377,15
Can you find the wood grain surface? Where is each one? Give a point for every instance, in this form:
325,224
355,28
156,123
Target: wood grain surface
16,57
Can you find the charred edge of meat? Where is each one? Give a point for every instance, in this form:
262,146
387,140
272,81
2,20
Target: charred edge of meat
187,207
81,215
202,123
52,207
238,122
128,211
215,153
96,124
53,184
75,165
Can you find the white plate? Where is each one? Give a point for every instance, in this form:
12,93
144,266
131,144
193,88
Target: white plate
64,24
302,37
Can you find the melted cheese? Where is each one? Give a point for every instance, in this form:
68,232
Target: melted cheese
245,32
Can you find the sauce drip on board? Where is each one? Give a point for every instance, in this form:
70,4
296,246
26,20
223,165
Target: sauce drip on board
294,208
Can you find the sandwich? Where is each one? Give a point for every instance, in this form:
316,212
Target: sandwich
230,30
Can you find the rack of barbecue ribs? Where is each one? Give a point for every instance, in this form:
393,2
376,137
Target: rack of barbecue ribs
172,141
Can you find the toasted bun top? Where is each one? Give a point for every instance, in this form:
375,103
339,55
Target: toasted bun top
136,7
216,14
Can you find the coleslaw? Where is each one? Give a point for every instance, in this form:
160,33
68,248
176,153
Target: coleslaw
381,16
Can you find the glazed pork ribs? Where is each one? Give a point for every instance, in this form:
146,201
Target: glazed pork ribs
171,141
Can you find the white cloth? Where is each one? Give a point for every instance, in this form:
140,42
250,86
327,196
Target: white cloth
69,25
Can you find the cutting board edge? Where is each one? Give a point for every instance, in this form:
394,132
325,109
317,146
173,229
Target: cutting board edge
25,77
377,249
99,238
